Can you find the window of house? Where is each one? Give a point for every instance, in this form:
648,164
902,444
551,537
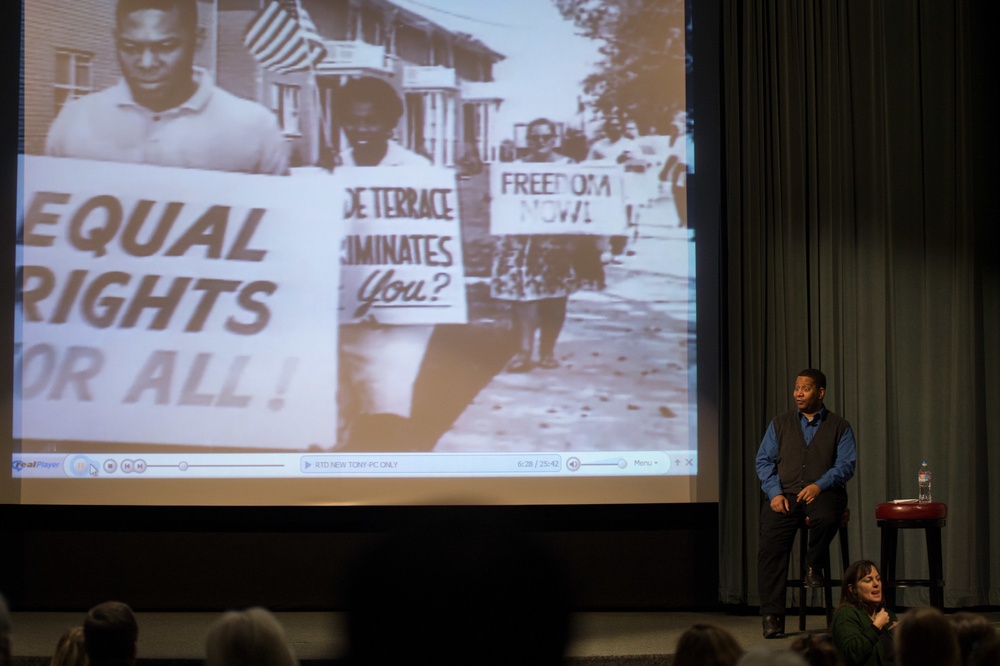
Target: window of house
285,102
74,76
441,51
371,27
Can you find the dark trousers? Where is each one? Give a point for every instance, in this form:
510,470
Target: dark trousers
777,533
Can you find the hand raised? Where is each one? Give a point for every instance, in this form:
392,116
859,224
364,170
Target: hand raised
881,618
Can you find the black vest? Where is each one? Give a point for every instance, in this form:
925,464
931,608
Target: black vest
798,464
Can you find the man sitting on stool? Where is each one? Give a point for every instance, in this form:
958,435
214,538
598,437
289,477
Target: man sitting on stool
804,462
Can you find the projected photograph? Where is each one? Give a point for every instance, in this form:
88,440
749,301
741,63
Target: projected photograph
327,227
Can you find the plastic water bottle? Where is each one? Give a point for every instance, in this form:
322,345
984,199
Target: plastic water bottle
924,482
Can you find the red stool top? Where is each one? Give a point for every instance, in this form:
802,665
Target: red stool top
911,511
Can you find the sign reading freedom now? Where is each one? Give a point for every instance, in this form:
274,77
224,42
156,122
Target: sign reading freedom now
175,306
544,198
401,251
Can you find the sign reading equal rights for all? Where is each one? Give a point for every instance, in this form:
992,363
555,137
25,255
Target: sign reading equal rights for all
176,306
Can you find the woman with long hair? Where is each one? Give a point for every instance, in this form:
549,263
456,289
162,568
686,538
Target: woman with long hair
71,650
862,625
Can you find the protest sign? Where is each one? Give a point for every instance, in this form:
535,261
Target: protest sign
401,251
545,198
176,306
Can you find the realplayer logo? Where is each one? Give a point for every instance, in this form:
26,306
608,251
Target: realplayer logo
21,464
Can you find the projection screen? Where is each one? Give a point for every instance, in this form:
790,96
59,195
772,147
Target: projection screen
358,252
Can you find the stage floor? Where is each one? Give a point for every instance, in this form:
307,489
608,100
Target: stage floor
320,636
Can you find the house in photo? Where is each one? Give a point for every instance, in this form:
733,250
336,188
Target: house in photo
445,78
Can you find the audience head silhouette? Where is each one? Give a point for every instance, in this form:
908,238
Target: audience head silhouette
925,637
110,632
972,631
251,637
817,649
707,645
71,650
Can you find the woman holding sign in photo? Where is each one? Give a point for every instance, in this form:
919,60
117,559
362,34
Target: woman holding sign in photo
379,363
536,272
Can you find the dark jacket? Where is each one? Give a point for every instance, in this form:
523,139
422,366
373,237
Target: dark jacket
856,637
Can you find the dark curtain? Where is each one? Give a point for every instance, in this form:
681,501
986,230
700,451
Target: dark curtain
859,238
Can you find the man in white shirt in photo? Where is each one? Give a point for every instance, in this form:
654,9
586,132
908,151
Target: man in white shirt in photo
165,111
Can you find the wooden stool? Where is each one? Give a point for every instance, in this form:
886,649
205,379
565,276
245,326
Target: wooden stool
828,581
928,516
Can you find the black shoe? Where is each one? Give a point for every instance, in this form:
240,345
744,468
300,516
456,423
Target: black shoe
814,577
774,626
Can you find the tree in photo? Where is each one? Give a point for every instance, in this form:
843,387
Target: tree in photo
642,73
